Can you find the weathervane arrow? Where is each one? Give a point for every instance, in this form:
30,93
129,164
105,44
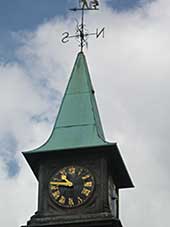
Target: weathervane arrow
81,31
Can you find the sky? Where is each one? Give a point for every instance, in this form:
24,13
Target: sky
130,73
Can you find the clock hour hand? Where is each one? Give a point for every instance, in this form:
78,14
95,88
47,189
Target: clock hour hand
64,177
68,184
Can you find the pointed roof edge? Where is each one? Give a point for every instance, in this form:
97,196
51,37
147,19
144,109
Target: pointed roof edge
36,150
100,133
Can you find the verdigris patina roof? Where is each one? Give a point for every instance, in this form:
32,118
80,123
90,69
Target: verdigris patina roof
78,127
78,123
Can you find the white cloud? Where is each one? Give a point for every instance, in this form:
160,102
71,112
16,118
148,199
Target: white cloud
17,194
130,72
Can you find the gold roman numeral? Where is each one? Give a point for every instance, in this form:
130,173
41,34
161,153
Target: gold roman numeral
88,184
70,202
72,170
52,187
85,177
80,171
62,200
63,172
79,200
85,191
56,194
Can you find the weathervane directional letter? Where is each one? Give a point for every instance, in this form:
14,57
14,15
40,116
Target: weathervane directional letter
93,4
84,4
82,33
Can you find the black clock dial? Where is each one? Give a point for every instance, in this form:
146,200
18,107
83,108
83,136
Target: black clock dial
71,186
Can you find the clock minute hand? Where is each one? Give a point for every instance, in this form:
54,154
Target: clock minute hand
69,184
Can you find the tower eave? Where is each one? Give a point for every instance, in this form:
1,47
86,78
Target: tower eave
110,150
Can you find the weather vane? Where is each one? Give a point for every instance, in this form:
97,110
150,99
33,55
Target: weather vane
82,33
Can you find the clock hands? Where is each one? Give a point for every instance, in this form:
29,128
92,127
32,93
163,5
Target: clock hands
71,186
67,183
63,177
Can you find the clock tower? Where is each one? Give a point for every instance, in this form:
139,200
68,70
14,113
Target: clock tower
79,173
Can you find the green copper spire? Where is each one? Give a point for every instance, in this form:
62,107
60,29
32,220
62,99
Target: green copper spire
78,123
78,126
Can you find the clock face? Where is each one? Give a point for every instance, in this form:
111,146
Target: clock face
71,186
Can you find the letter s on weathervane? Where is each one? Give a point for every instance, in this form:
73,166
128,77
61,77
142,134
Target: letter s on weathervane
65,38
